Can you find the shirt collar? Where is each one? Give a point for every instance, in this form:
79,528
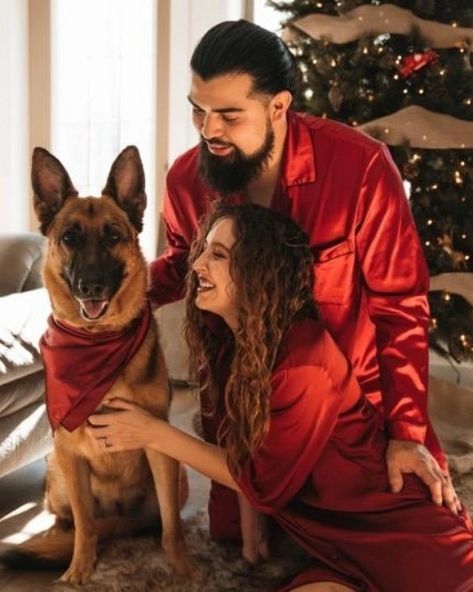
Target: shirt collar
299,158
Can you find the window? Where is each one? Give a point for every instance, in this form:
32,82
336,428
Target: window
266,16
103,92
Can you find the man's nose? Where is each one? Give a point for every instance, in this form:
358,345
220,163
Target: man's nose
211,126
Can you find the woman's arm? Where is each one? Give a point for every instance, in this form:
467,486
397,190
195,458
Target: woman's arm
132,428
254,531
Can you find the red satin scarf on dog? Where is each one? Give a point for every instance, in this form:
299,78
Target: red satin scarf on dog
82,366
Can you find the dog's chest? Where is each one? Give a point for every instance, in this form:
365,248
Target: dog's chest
119,467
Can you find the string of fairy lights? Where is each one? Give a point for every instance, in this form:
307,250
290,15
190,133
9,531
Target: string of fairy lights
407,88
375,76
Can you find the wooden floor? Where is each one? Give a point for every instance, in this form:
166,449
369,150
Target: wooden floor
21,513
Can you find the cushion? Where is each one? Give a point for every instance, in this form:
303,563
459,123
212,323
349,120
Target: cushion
26,436
23,319
20,262
176,353
17,394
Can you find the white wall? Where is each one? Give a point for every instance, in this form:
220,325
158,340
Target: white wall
14,158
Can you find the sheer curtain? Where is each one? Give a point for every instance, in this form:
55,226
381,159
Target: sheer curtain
14,158
103,92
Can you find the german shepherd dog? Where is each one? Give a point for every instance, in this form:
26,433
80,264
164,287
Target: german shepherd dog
96,277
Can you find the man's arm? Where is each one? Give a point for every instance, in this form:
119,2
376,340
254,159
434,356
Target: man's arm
167,273
397,282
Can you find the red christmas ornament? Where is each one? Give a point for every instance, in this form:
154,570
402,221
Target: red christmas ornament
416,61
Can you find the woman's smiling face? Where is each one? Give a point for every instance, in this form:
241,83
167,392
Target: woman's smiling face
216,288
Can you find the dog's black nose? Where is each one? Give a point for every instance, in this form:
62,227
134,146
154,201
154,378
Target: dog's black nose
91,289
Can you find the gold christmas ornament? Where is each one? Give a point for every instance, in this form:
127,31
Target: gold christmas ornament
335,96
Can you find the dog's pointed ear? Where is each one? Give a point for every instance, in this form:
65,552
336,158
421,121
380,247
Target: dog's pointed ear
51,185
126,184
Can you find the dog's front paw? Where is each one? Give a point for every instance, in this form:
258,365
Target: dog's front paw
79,572
183,566
188,569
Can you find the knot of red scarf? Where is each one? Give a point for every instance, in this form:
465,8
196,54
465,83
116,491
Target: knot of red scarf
82,366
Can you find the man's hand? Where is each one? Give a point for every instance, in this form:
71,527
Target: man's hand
253,532
403,456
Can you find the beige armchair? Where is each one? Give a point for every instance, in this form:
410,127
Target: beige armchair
24,307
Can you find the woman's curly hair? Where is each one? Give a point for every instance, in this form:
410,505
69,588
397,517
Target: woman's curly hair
271,266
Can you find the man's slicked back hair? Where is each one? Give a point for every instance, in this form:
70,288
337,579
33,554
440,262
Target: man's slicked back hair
241,47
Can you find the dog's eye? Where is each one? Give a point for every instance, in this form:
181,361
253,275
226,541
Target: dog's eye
111,236
70,238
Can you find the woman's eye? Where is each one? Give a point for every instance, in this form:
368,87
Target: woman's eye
218,255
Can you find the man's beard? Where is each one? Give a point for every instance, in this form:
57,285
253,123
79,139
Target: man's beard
232,173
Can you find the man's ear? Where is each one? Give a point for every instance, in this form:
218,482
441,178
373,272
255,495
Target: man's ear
126,184
279,105
51,186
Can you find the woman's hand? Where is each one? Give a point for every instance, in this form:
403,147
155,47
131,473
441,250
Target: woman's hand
129,428
254,532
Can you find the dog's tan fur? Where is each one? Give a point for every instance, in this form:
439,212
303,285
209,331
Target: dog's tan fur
99,491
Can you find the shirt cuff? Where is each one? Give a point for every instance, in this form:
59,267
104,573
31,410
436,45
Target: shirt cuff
403,430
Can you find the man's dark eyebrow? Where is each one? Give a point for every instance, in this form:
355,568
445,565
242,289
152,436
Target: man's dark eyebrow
223,110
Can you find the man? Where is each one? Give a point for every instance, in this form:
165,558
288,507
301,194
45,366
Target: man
344,190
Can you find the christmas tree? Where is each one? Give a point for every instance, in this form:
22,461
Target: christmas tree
402,72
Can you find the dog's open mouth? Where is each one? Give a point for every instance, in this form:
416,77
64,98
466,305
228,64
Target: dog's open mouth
92,310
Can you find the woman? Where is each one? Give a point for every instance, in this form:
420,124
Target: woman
296,437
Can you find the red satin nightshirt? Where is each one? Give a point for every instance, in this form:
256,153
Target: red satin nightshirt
371,279
321,474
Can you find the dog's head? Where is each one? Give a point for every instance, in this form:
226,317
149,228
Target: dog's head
94,270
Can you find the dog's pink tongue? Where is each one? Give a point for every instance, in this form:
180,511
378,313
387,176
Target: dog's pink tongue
94,308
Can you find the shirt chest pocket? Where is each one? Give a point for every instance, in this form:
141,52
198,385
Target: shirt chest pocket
334,272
